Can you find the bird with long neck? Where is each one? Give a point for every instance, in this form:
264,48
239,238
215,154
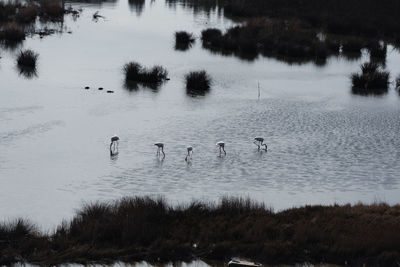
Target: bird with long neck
221,146
259,142
189,153
160,148
114,145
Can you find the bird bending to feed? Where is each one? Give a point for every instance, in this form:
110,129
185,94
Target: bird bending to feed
114,145
160,147
259,142
189,152
221,145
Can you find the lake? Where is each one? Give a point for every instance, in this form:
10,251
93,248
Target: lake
325,145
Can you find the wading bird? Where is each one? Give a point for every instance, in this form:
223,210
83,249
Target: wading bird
259,142
160,147
221,146
189,153
114,145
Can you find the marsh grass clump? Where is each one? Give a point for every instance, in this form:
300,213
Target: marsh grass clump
183,40
12,33
27,59
134,72
144,228
197,82
371,80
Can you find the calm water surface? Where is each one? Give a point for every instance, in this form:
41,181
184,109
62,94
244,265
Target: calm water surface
325,144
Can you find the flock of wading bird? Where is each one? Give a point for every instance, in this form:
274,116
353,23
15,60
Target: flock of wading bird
258,141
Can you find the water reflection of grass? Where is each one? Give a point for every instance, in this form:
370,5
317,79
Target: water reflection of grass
141,228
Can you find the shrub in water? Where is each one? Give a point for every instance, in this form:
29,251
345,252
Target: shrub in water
135,72
27,59
197,82
183,40
371,80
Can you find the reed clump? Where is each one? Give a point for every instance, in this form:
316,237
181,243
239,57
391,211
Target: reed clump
144,228
27,59
134,72
371,80
183,40
197,82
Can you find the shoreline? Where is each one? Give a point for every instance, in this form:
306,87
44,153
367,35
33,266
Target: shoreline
148,229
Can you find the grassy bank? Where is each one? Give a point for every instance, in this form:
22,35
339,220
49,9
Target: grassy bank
133,229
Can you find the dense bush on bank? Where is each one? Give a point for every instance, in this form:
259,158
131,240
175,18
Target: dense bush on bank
133,229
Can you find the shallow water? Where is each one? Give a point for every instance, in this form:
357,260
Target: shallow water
325,144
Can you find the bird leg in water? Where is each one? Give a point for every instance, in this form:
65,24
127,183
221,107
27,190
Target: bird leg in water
257,144
162,150
266,148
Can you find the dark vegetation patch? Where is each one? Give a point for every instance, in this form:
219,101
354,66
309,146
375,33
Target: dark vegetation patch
134,72
16,17
295,37
12,33
197,83
183,40
291,41
367,18
135,229
27,59
26,62
371,81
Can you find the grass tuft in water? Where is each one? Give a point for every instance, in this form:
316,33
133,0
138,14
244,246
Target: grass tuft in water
134,72
27,59
197,82
183,40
